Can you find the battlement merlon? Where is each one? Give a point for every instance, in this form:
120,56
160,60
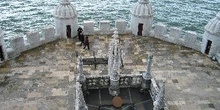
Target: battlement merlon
105,27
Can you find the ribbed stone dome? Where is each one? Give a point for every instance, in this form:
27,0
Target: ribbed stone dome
213,25
65,10
142,8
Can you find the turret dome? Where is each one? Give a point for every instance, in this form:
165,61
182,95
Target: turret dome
142,9
213,26
65,10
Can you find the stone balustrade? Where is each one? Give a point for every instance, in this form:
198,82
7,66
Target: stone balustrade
96,82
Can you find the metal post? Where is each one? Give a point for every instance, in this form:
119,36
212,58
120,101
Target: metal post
95,64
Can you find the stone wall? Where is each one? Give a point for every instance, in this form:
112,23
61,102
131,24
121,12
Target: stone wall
177,36
33,39
105,27
36,38
3,47
173,35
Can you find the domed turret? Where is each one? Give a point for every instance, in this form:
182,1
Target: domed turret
141,18
66,19
213,26
65,10
211,38
142,9
3,54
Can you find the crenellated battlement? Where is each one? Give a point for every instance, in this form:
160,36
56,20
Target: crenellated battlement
32,40
173,34
177,36
105,27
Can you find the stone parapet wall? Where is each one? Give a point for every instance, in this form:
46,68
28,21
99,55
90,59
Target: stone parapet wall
173,34
105,27
177,36
32,40
218,57
2,47
36,38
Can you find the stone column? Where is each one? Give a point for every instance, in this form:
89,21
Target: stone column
114,88
80,103
149,64
110,58
159,103
81,77
146,76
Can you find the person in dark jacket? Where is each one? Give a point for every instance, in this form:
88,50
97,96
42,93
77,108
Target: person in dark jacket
81,38
80,30
86,43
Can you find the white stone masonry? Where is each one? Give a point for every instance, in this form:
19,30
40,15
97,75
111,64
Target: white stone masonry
17,43
3,46
34,39
88,27
190,39
104,27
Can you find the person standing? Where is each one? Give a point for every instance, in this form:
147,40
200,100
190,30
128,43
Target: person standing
81,38
80,30
86,43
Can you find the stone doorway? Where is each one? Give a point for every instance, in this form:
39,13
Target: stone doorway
208,47
140,29
1,54
68,31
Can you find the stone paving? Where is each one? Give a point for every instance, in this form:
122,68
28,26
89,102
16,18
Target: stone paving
44,78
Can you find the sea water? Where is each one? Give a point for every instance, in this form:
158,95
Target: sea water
21,16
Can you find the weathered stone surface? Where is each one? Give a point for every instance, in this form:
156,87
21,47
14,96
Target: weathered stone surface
191,78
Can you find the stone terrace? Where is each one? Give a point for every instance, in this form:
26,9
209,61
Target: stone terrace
44,78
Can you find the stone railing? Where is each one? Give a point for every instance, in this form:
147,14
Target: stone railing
133,80
96,82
